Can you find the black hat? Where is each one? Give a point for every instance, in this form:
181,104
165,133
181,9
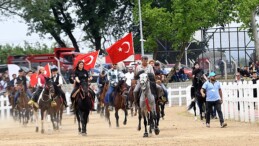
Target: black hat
54,69
20,70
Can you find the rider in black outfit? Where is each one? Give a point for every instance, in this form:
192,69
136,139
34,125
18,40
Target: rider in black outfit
81,75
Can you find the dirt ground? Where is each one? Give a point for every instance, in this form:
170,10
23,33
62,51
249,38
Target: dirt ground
178,128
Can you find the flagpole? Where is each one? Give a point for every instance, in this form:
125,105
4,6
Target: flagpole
140,28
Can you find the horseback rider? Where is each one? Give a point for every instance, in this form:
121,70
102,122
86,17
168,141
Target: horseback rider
147,68
81,75
101,80
57,80
160,74
113,75
197,73
21,79
40,86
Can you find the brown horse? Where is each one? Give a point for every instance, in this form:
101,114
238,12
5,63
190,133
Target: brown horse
120,96
44,104
23,107
131,98
101,98
10,92
56,112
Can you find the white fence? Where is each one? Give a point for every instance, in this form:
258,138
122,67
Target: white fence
234,95
4,107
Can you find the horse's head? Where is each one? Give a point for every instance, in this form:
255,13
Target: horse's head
143,79
49,86
84,85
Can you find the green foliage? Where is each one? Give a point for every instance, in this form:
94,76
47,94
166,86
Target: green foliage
244,11
176,21
8,50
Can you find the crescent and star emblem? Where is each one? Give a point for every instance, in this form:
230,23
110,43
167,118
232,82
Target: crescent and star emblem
128,44
92,58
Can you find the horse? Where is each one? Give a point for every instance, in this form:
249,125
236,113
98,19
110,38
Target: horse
56,112
132,99
161,100
22,106
101,97
120,96
197,97
10,92
83,105
147,106
44,104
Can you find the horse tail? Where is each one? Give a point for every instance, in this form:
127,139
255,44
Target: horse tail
191,105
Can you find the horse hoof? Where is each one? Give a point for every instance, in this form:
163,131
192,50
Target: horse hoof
145,134
37,129
139,128
125,122
42,131
157,131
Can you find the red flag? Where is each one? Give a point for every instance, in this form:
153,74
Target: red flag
122,49
33,79
89,59
47,71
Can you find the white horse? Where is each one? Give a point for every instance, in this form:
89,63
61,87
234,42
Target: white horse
147,106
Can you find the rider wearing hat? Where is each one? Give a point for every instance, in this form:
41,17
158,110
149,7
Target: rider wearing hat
57,80
21,79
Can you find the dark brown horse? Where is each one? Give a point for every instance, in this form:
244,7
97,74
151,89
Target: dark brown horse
83,105
23,107
10,93
101,99
120,96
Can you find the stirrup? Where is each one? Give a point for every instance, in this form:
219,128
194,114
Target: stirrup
53,104
31,102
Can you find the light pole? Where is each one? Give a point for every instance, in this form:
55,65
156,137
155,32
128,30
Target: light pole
140,28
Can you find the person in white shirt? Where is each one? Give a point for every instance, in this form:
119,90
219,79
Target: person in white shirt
130,76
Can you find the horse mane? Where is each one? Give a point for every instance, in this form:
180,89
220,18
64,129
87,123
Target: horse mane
137,75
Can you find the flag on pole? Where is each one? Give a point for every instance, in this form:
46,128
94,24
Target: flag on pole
122,49
89,59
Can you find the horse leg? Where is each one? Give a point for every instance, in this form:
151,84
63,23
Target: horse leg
83,122
145,124
194,110
125,119
139,120
117,118
156,118
36,116
200,108
162,110
78,121
107,115
42,120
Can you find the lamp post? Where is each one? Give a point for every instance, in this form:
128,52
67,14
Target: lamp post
140,28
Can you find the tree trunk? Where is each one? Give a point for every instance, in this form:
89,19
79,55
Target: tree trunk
255,34
178,60
58,39
155,53
97,43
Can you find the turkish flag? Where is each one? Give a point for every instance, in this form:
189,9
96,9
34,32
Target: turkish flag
33,80
122,49
47,70
89,59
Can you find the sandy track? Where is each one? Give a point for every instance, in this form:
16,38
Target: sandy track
178,128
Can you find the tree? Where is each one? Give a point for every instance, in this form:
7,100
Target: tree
246,8
96,18
181,20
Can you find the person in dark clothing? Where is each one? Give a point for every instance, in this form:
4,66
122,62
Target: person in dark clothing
101,80
57,80
21,81
81,75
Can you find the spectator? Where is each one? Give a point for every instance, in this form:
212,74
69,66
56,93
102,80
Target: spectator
221,67
3,84
183,76
176,77
12,81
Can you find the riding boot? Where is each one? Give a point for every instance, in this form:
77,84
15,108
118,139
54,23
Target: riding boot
53,103
72,106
